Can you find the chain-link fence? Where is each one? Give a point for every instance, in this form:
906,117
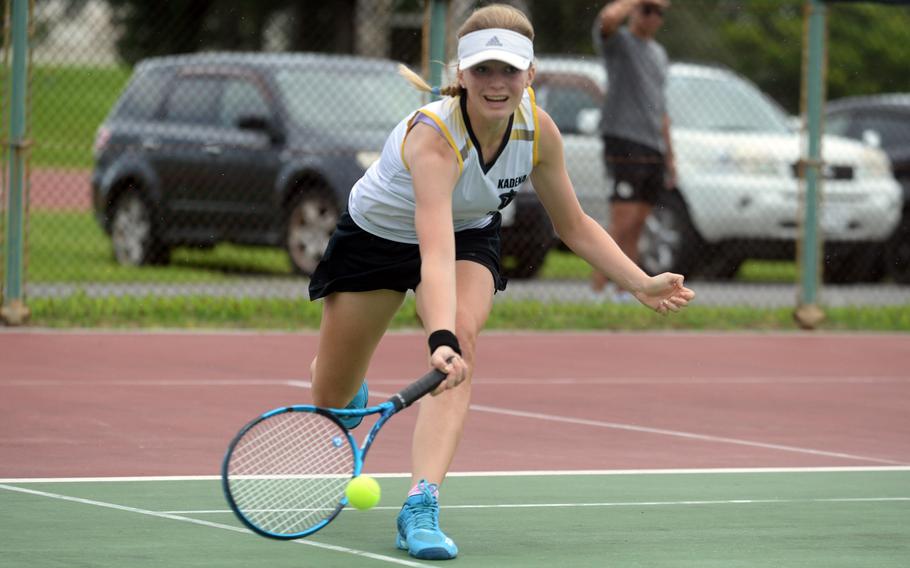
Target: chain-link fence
202,146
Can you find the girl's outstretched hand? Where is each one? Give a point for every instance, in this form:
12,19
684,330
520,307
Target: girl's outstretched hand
665,293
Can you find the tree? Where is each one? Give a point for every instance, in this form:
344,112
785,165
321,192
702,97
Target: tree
869,43
184,26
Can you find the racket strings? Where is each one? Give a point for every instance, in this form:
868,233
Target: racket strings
288,473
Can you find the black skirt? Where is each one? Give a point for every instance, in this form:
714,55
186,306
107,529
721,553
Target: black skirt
358,261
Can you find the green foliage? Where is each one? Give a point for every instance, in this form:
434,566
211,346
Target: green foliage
869,49
868,43
185,26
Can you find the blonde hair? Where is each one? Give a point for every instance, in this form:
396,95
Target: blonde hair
492,16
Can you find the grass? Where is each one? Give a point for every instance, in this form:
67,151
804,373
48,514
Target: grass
562,265
66,247
207,312
72,248
63,125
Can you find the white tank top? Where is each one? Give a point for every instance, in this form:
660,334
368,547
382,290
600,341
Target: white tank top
382,201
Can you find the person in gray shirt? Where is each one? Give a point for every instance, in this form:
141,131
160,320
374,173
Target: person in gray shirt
635,126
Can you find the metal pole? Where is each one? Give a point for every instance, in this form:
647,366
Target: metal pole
437,56
14,311
808,313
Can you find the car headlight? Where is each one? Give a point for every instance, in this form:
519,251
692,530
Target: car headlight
366,159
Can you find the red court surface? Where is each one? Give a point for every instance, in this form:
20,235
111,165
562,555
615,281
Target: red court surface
92,404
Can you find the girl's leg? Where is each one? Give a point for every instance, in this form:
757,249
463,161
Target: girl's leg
352,325
441,418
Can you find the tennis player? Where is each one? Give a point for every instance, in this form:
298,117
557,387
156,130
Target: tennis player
426,217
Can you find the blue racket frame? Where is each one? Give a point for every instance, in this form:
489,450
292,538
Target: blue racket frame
385,410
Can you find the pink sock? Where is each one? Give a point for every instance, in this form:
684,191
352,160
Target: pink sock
418,489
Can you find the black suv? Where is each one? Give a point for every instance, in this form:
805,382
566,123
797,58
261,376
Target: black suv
256,149
882,121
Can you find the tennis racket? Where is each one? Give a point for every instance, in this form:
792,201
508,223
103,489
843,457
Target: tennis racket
285,473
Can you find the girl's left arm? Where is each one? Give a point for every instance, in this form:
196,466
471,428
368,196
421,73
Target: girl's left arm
587,238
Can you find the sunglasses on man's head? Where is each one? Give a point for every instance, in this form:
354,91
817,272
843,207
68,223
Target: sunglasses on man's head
648,9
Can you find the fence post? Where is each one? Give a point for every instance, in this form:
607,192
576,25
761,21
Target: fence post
437,41
808,313
14,310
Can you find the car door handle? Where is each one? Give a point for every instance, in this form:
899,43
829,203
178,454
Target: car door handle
151,144
212,149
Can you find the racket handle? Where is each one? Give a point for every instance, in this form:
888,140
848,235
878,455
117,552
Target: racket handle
416,390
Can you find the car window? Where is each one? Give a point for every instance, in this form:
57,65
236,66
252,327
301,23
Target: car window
839,125
563,103
726,104
194,100
347,100
143,97
893,129
242,98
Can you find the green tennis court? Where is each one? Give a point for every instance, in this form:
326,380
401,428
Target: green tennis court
747,451
814,517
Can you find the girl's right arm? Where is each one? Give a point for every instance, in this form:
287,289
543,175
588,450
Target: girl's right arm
434,171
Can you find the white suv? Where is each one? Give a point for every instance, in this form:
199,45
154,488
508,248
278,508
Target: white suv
736,156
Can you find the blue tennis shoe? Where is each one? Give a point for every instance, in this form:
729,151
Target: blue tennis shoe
418,527
360,401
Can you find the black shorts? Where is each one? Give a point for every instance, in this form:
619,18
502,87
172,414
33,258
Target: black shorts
637,170
358,261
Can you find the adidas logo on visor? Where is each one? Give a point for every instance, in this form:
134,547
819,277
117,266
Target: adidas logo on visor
494,41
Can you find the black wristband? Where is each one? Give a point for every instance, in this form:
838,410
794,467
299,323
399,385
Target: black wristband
442,337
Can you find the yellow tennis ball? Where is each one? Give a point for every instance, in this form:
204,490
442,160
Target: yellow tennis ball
363,492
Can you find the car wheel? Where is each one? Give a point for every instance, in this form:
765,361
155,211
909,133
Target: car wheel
133,233
312,217
669,241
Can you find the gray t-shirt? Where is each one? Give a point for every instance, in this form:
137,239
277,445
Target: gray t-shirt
636,72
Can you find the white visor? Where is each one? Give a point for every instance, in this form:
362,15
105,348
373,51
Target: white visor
495,43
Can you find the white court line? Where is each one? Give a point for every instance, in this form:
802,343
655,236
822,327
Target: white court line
682,381
480,381
177,517
520,414
678,434
615,504
517,473
146,383
649,430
